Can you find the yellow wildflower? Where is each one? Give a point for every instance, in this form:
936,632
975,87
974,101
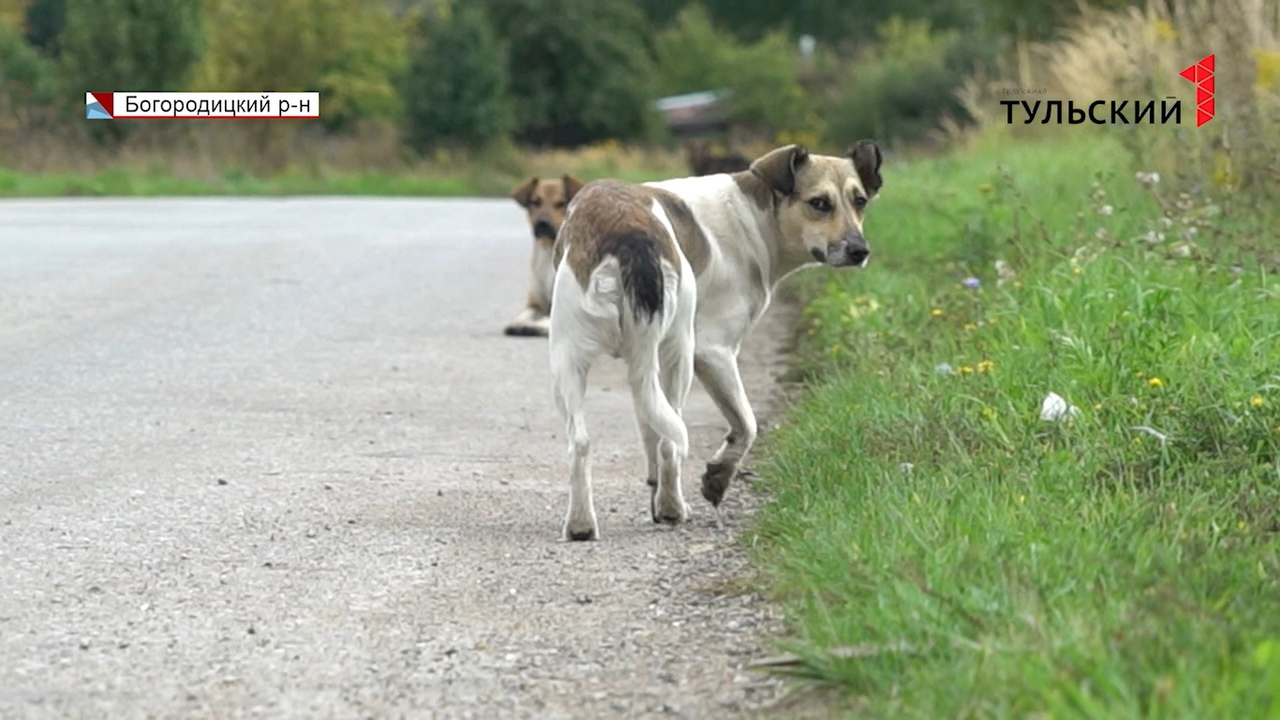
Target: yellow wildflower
970,326
1155,382
936,312
1223,174
985,366
1256,401
1164,30
1076,271
1268,69
965,370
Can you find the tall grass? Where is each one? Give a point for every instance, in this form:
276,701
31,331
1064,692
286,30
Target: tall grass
1136,55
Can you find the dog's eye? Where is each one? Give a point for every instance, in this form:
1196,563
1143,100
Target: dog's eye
860,202
562,205
536,202
820,204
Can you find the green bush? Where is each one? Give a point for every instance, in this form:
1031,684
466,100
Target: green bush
144,45
907,85
26,77
119,45
580,69
763,78
456,91
350,52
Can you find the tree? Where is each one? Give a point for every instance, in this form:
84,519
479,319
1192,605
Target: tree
44,22
26,78
763,78
456,90
580,70
350,51
120,45
145,45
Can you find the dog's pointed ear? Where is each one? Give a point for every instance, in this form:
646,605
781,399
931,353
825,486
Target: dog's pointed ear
866,160
778,168
524,193
571,186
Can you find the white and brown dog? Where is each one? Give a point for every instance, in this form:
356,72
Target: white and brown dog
544,200
671,277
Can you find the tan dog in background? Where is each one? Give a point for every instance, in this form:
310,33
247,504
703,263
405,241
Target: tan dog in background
545,202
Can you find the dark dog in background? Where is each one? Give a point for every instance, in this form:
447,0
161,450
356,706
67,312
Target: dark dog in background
702,161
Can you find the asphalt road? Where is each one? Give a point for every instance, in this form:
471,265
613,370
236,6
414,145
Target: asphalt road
274,458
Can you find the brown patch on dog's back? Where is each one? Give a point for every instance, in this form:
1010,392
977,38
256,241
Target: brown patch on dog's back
609,209
693,241
614,219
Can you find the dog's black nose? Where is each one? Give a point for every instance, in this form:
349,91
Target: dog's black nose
544,229
859,255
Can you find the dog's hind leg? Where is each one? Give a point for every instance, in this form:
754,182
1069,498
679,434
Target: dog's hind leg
649,440
676,358
582,328
570,380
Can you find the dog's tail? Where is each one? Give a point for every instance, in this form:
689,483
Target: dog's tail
646,308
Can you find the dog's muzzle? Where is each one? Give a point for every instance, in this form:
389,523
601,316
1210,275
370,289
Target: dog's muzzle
851,252
544,229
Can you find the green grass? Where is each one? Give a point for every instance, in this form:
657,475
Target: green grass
981,561
132,184
474,182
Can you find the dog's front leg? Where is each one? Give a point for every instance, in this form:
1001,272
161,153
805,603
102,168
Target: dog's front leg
717,370
534,320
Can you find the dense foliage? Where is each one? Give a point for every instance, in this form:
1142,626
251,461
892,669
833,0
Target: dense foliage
561,73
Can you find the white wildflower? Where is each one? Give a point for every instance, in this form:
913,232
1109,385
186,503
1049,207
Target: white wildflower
1004,273
1054,408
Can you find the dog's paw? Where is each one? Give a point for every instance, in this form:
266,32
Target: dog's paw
581,532
525,330
715,481
673,511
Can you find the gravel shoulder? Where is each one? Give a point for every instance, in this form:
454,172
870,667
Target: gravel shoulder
274,458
